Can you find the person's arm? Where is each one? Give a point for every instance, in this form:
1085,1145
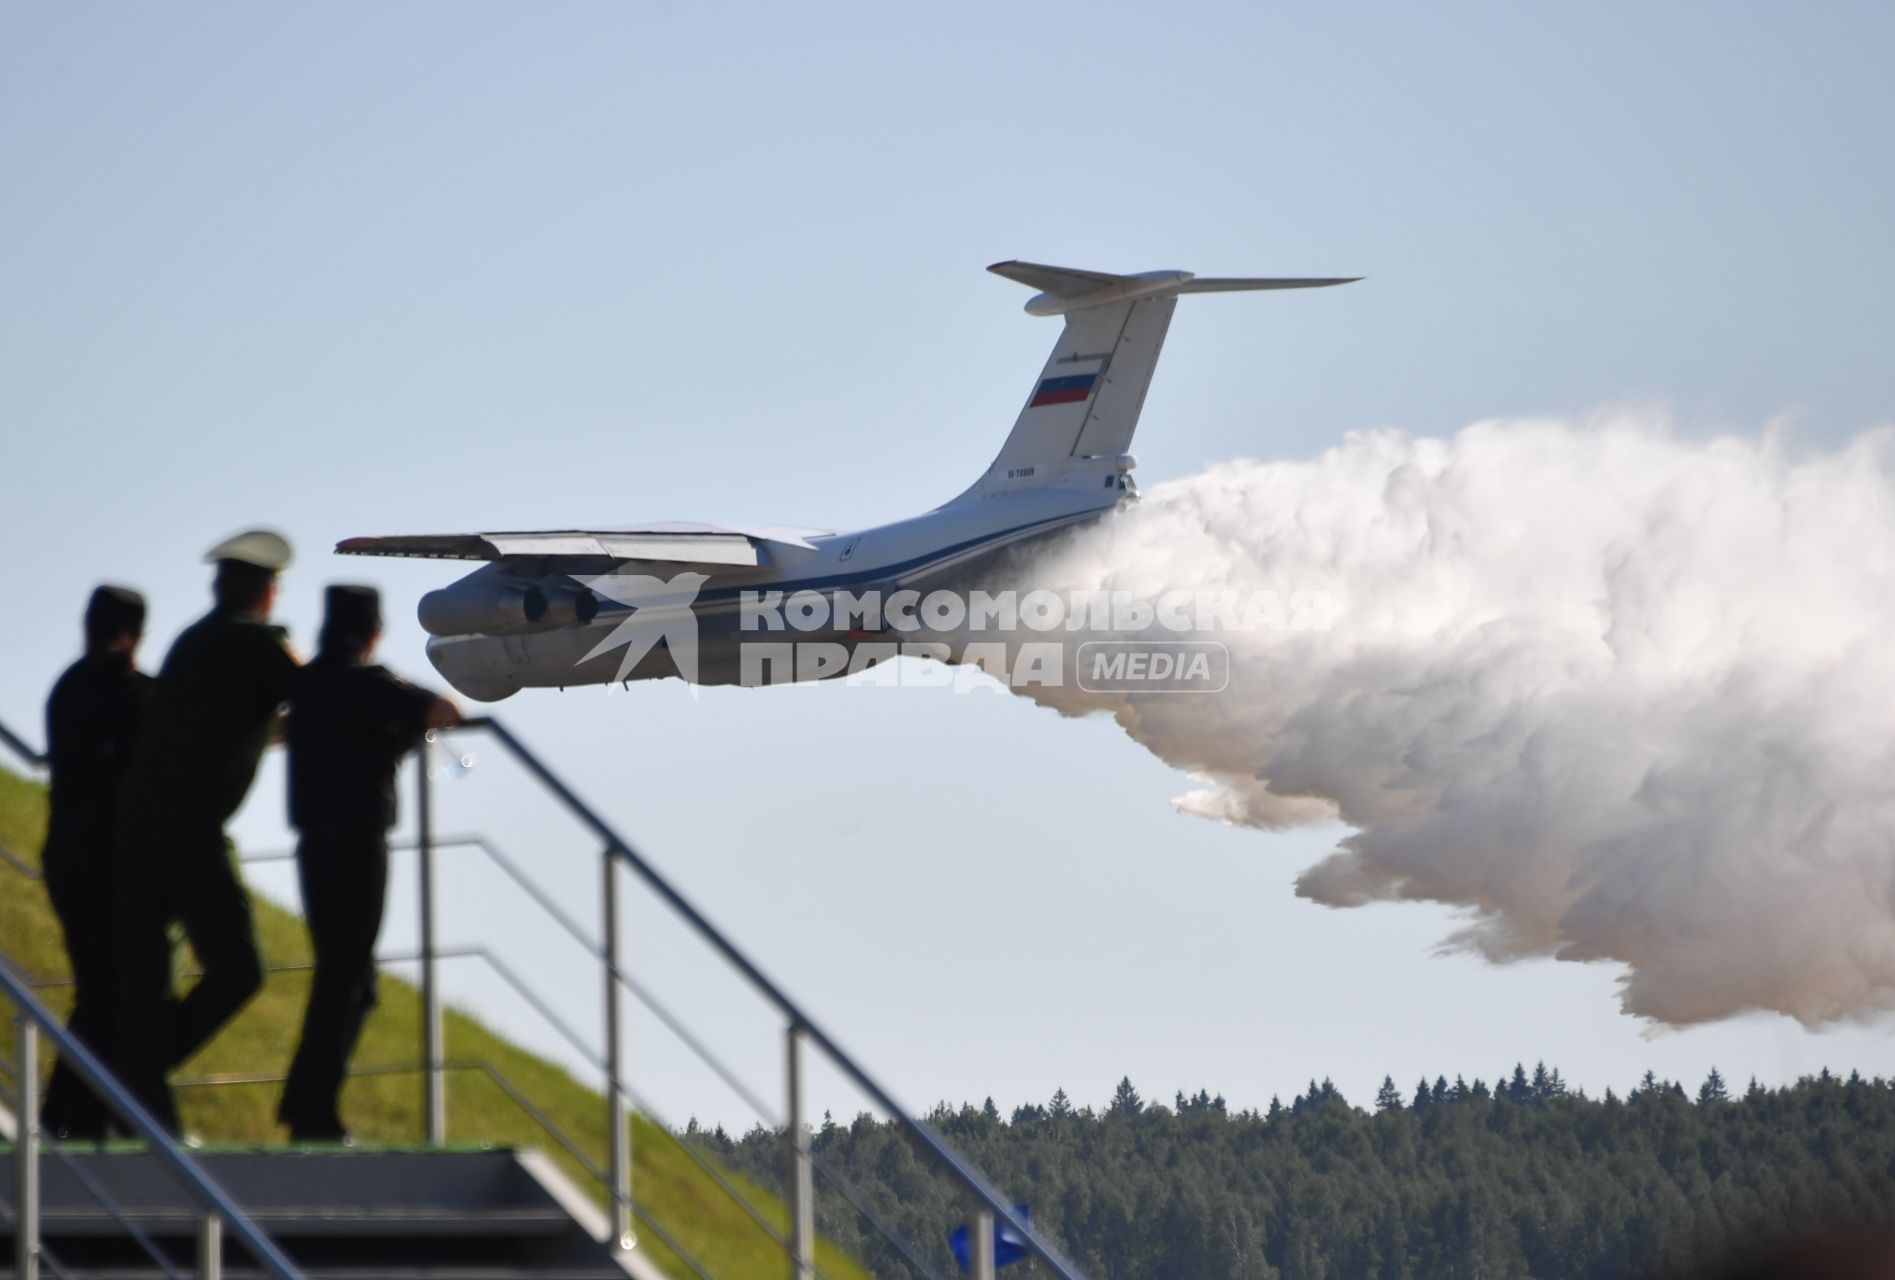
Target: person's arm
276,680
55,713
76,742
443,713
410,711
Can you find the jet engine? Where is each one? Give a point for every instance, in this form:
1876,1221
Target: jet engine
560,604
480,604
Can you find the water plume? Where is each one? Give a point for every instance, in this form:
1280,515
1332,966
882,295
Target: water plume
1622,696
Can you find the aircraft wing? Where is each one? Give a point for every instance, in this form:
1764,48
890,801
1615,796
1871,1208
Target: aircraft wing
675,542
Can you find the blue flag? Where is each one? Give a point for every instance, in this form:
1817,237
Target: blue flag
1008,1246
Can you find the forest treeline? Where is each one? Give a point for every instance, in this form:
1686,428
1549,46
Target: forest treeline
1447,1179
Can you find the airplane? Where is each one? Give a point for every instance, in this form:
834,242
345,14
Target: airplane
561,608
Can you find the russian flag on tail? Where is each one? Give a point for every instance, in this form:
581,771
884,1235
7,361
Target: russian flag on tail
1065,390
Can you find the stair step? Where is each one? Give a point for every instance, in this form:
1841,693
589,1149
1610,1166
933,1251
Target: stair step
319,1220
407,1215
234,1271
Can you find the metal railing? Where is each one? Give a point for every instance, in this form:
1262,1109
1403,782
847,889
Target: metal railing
593,1058
20,747
987,1207
218,1216
516,1096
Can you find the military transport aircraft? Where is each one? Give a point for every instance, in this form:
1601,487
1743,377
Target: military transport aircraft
561,607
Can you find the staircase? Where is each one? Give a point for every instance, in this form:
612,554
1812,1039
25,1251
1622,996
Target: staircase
442,1211
444,1215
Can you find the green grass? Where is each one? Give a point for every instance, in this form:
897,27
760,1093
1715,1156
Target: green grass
386,1109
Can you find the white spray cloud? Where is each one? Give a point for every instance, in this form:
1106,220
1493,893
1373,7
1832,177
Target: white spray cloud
1625,697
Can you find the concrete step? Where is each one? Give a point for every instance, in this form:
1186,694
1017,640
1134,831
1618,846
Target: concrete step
243,1271
433,1214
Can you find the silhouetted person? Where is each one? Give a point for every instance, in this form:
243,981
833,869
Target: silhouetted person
350,724
214,711
92,721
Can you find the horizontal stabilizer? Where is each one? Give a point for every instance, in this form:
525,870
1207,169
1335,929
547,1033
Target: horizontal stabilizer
1066,289
1235,284
1061,282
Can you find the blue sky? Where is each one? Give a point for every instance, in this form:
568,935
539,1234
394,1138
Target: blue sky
440,267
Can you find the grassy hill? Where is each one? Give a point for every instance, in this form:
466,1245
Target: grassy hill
386,1108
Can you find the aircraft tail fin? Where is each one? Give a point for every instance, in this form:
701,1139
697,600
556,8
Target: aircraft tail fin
1085,406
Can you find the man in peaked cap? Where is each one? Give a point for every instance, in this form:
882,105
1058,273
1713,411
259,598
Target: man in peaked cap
92,721
216,707
350,724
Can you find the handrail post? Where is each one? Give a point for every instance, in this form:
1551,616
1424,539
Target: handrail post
980,1243
433,1095
618,1134
210,1247
802,1185
26,1152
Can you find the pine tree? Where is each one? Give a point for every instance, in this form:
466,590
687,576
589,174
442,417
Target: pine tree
1199,1101
1061,1105
1125,1100
1573,1191
1518,1087
1422,1099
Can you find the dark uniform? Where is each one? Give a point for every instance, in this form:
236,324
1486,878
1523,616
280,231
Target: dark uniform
92,721
214,712
350,724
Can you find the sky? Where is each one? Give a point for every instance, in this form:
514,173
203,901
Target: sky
443,267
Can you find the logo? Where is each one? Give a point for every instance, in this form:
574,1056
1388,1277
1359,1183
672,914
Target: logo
1153,666
1035,638
660,612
